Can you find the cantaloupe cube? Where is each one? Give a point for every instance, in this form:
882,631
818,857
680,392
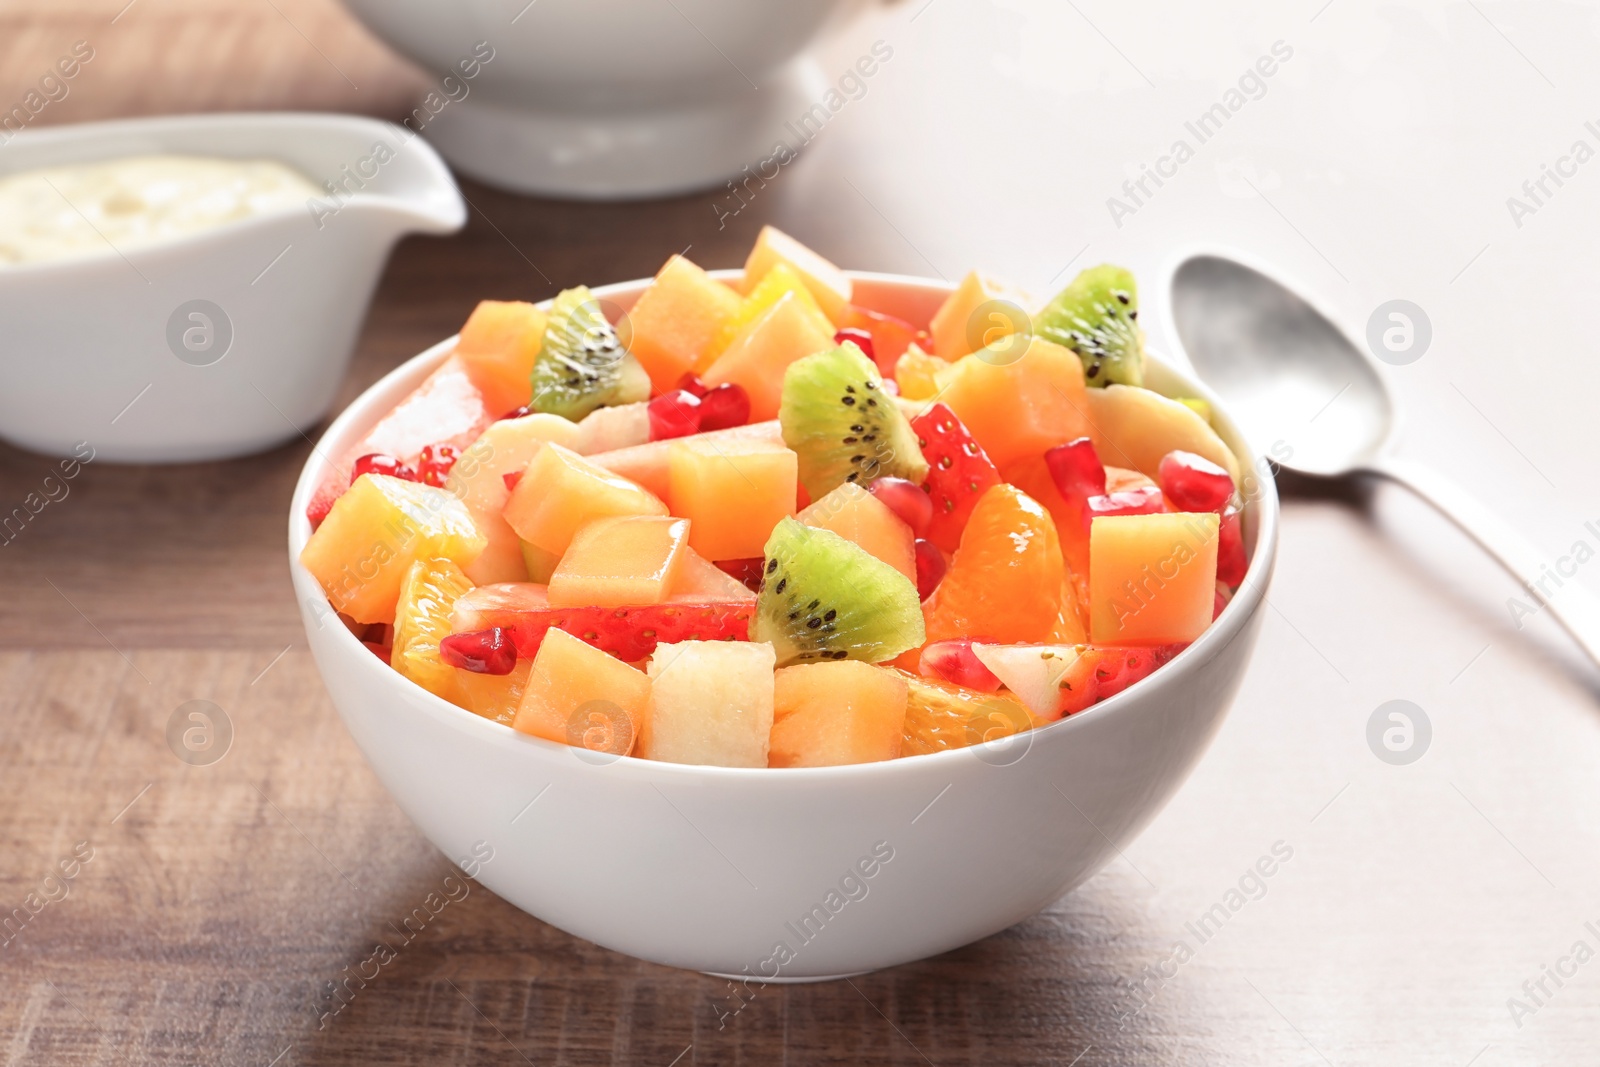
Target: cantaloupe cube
375,531
711,703
1136,427
733,492
757,357
1152,578
620,562
498,346
579,695
953,327
856,515
1021,408
675,318
478,480
701,580
647,464
826,714
560,491
779,282
829,284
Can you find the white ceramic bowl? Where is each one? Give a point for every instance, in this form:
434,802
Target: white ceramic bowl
611,98
712,868
87,346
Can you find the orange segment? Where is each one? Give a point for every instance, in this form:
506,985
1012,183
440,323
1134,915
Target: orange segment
498,346
676,318
941,716
620,562
1004,581
917,373
422,620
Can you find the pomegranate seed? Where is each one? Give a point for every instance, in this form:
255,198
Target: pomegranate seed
691,383
378,463
1218,602
1145,500
488,651
674,414
511,478
954,661
907,500
930,568
434,465
724,406
1076,469
1231,561
1194,483
861,338
748,571
517,413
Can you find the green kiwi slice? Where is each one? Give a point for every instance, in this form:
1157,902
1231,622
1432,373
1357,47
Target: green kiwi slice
1097,316
583,364
844,427
823,597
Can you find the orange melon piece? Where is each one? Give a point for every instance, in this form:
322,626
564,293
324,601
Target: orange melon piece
676,318
778,283
710,702
1020,409
733,492
478,481
579,695
498,346
856,515
375,532
757,357
953,327
827,714
620,562
647,464
1136,427
1152,578
700,580
560,491
830,285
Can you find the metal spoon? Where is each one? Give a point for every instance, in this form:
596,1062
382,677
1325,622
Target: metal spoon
1274,358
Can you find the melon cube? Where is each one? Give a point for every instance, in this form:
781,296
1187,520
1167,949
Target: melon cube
826,714
1137,427
620,562
647,463
777,283
856,515
733,491
375,531
701,580
579,695
478,480
676,318
711,703
498,346
953,327
1152,578
829,284
1021,408
560,491
757,357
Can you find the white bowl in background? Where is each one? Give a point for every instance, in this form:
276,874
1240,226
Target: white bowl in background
710,868
608,99
87,349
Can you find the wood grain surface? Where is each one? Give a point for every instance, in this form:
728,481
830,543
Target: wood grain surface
219,902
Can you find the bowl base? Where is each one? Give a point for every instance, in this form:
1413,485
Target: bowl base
621,155
802,979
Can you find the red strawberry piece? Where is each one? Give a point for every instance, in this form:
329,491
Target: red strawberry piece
959,472
747,571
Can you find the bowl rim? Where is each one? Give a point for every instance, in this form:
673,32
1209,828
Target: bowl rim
361,413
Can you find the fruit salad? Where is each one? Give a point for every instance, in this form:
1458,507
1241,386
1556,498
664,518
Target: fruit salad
757,524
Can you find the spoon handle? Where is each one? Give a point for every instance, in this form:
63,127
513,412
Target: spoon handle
1544,588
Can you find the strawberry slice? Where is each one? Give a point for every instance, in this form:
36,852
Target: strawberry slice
523,611
1101,672
959,472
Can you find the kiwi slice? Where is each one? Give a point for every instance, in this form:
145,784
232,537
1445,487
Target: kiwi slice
1097,316
583,364
823,597
843,426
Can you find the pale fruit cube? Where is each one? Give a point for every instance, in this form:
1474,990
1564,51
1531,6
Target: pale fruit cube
1137,427
375,531
608,429
579,695
710,703
826,714
1032,672
620,562
829,284
478,479
733,491
857,516
498,345
1152,578
560,491
957,328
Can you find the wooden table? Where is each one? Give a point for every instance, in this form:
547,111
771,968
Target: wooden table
221,900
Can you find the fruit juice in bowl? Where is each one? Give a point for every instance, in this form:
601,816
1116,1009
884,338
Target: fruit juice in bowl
784,574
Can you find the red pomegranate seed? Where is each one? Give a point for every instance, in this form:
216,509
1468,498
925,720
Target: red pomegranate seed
674,414
907,500
954,661
748,571
1076,469
1145,500
930,568
1218,602
861,338
691,383
488,651
435,464
724,406
1231,560
511,478
1194,483
378,463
